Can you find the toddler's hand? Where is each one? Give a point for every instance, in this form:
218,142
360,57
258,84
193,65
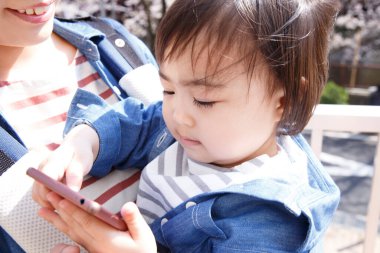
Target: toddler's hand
70,162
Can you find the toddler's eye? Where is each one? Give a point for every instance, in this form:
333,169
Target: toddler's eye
203,104
168,92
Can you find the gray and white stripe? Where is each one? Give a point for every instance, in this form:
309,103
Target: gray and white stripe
173,178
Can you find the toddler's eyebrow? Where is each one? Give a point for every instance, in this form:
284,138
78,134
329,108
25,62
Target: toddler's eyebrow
195,82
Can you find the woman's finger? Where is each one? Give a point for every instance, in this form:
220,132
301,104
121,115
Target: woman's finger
138,227
65,248
52,216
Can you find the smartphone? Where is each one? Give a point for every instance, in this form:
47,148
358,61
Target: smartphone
86,204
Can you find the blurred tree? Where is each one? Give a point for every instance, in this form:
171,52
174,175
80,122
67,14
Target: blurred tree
357,15
355,45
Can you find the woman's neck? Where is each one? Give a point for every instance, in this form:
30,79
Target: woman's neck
36,61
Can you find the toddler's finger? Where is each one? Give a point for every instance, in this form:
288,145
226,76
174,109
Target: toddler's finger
78,167
57,162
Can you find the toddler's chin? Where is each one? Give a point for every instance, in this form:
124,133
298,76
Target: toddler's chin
197,157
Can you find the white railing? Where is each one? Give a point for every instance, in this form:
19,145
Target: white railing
352,118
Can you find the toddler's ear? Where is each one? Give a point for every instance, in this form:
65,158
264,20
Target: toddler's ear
303,81
280,98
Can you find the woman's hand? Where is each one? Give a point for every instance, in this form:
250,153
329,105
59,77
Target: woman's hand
95,235
70,162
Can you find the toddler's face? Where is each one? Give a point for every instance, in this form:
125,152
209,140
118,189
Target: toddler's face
25,22
225,119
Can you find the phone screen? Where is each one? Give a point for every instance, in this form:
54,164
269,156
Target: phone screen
86,204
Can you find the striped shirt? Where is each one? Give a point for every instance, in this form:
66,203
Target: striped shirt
37,109
173,178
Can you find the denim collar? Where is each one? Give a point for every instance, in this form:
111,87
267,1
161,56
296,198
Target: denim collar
81,35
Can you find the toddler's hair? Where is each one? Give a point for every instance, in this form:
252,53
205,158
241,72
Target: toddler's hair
291,38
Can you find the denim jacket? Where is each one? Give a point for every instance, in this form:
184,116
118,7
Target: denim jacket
86,39
240,218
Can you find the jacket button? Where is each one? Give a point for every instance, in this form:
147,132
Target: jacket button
163,221
190,204
119,42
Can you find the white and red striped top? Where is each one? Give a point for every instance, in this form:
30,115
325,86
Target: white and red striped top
37,108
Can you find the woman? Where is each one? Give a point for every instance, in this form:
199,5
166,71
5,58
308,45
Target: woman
43,62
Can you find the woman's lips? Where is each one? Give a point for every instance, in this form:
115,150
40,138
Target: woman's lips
36,15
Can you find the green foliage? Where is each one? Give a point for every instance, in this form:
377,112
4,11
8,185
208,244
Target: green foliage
334,94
